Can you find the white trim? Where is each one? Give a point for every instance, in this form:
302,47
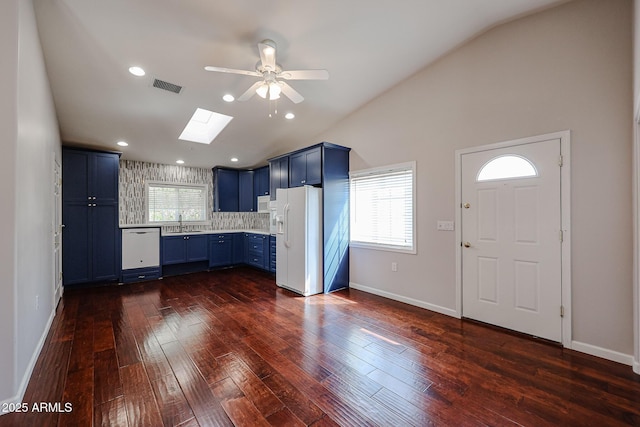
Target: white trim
411,301
565,196
17,398
594,350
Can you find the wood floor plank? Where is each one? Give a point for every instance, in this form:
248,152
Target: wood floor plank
203,403
252,387
172,403
106,377
229,347
111,414
78,393
142,409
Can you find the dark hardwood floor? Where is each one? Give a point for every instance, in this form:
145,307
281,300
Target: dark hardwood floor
230,348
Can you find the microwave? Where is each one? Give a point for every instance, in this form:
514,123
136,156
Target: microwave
263,204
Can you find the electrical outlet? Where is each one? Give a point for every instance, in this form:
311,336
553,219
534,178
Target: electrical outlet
394,266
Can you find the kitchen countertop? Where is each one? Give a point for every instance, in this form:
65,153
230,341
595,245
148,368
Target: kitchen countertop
196,232
189,233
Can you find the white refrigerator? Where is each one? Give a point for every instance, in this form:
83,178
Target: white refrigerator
299,240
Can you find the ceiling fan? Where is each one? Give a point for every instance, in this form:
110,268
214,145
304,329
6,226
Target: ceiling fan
271,84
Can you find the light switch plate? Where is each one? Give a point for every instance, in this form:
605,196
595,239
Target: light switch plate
445,225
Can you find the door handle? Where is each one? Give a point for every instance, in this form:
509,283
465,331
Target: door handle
467,244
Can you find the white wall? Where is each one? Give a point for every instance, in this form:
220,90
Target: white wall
636,181
8,97
33,142
564,68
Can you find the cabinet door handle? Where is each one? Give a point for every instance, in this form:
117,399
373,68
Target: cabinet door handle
303,181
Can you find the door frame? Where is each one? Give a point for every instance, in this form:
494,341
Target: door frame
565,215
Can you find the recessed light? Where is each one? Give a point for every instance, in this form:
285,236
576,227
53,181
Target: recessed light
137,71
122,144
180,162
228,98
289,116
234,159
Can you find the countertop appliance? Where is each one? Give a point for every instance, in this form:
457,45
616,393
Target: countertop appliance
299,239
140,248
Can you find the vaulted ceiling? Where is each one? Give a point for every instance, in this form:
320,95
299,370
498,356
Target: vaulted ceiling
366,46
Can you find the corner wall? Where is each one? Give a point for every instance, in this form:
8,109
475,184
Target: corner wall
566,68
31,142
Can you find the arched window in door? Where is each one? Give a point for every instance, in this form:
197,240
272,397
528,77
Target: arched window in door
508,166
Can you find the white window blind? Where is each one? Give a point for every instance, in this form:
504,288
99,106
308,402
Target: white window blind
382,207
166,202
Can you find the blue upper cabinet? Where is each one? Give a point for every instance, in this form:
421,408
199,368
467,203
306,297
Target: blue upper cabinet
305,168
225,192
246,199
91,237
278,175
261,182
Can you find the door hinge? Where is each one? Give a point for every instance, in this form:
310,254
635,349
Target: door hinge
560,161
561,236
562,311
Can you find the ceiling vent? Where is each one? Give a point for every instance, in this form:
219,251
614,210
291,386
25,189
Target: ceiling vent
161,84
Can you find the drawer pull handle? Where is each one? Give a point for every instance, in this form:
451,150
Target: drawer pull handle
141,277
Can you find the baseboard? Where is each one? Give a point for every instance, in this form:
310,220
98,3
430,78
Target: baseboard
32,364
614,356
636,367
407,300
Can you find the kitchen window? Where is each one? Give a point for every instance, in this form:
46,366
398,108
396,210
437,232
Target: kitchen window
383,208
168,202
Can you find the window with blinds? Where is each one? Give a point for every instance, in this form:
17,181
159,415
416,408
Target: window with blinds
382,208
166,202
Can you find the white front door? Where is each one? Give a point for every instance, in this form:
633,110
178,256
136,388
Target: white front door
57,232
511,237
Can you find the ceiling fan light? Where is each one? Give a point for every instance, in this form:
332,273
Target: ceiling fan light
262,90
274,91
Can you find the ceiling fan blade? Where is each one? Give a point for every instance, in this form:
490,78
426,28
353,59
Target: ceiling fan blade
305,75
233,71
291,93
250,92
267,50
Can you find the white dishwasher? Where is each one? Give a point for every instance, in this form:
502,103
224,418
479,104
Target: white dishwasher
140,253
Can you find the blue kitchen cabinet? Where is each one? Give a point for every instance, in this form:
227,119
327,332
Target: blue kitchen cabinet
246,199
183,249
173,250
237,256
257,250
305,167
221,250
278,175
91,236
272,254
225,190
261,181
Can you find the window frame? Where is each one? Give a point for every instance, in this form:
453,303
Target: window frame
413,249
200,186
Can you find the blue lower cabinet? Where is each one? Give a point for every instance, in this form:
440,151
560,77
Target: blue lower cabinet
272,254
182,249
140,274
257,250
197,248
221,250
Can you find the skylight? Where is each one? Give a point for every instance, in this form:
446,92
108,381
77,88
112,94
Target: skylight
204,126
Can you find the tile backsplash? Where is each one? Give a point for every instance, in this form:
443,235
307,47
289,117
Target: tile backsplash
135,174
